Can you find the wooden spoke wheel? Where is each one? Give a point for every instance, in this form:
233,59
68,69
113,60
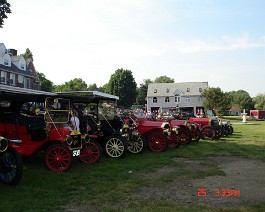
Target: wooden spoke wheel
90,153
58,158
157,142
137,146
115,146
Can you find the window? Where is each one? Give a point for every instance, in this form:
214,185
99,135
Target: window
188,89
200,99
167,90
22,66
155,90
6,62
187,100
167,99
12,79
177,98
154,100
3,77
200,89
20,79
27,83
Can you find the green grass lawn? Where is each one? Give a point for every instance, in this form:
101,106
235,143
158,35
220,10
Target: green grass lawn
111,182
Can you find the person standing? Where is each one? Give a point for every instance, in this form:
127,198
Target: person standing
74,121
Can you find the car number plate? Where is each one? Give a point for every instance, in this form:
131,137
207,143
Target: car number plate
76,152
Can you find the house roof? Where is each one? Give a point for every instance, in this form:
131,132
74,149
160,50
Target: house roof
15,69
171,89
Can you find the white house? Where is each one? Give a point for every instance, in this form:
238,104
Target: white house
15,71
171,96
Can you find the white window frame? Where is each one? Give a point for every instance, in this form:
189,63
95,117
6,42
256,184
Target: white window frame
3,77
187,99
13,78
177,98
155,100
167,99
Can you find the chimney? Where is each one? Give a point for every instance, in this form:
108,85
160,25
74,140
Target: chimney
12,52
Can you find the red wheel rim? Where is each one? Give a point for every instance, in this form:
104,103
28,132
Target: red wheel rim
58,159
157,143
208,133
196,134
184,137
174,141
90,153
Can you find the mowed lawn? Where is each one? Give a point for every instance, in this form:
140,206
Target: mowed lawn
111,184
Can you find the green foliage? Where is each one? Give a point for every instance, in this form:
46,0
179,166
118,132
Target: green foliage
259,101
242,99
142,92
215,99
46,85
28,54
4,9
76,84
164,79
92,87
122,84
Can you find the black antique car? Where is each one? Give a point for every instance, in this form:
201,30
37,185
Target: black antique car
98,119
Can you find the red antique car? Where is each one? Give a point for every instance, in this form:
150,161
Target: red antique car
162,134
38,122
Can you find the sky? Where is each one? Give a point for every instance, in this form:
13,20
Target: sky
221,42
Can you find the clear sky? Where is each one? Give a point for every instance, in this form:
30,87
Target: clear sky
221,42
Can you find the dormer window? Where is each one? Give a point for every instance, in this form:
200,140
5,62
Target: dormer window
188,89
155,90
167,90
22,66
6,62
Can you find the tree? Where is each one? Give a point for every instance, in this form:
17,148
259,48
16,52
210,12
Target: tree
46,85
141,92
76,84
4,9
123,85
92,87
28,54
259,101
242,99
215,99
164,79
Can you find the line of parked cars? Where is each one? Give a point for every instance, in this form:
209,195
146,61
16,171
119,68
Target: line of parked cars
39,123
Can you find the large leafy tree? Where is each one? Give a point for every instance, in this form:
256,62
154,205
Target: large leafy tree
259,102
142,92
76,84
122,84
164,79
4,9
46,85
215,99
242,99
